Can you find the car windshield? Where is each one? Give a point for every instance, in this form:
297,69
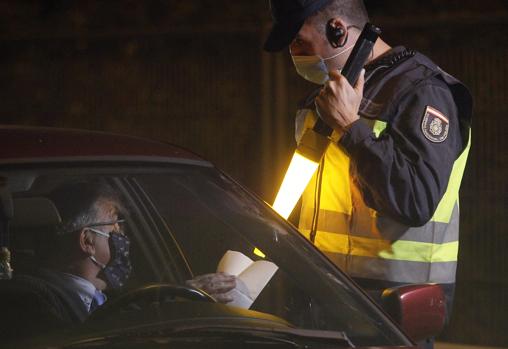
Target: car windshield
185,219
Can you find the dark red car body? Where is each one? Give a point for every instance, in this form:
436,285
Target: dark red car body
32,145
49,143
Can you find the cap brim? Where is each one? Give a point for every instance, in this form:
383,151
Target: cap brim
281,36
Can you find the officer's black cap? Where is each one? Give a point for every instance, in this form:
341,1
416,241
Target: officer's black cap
288,17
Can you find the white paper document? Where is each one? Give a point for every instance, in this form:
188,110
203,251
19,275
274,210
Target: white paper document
252,276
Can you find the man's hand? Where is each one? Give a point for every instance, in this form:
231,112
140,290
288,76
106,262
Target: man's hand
216,285
338,103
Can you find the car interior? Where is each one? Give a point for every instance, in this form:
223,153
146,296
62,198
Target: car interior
180,224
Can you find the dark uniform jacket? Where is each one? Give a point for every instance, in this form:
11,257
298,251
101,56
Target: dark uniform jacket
404,173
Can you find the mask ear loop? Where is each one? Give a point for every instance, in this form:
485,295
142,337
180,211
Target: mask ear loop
99,264
92,257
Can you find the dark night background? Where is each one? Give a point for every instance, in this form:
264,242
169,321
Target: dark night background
193,73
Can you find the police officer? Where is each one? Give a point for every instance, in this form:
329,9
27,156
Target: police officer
384,202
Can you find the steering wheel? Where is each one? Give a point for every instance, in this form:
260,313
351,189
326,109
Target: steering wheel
158,292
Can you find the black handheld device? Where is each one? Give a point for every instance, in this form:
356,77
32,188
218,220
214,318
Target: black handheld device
354,65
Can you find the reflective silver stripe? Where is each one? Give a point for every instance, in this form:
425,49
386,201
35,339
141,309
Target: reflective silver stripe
387,228
395,270
432,232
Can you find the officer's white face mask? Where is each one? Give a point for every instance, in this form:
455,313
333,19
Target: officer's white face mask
315,68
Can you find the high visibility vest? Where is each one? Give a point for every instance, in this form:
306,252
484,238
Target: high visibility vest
367,245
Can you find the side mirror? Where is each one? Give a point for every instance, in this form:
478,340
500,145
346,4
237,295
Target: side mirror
419,309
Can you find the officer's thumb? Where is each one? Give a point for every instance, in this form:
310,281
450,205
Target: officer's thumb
360,82
334,75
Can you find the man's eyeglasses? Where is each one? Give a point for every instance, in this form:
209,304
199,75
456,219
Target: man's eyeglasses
100,232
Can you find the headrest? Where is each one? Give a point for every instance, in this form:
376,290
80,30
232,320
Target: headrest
34,212
5,204
5,199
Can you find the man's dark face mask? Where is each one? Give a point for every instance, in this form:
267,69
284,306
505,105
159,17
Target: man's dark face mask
119,268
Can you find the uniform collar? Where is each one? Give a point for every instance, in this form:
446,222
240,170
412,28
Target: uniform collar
393,56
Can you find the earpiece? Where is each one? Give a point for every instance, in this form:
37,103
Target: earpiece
334,34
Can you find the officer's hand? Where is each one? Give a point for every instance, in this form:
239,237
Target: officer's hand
338,103
216,285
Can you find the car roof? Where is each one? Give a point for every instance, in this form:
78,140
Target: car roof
26,143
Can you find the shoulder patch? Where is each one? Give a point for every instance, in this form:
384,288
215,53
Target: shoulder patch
435,125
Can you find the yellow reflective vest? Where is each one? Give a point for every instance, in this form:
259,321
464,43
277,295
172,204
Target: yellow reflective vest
366,243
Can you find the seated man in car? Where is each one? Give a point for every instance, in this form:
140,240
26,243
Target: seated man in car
89,253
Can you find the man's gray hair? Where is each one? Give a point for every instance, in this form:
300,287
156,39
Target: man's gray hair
83,219
78,202
353,11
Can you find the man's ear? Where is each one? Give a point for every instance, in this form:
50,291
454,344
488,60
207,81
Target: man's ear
87,242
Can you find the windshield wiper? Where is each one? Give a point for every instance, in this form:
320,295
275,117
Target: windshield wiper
198,330
330,337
